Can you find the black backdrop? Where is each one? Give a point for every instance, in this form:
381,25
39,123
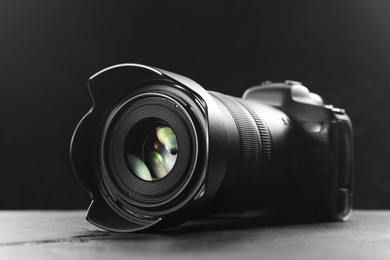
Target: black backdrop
48,49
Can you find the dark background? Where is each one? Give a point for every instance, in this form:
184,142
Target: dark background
48,49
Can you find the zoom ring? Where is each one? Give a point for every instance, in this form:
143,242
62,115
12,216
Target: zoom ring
249,139
265,158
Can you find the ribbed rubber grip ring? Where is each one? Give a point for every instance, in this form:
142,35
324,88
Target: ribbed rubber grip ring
265,139
249,140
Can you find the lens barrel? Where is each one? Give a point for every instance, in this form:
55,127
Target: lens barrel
262,148
157,149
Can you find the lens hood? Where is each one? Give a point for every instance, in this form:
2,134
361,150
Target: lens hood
106,88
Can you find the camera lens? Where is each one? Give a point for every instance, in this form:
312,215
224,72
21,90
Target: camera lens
153,150
156,154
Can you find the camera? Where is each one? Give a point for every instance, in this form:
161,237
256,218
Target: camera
156,149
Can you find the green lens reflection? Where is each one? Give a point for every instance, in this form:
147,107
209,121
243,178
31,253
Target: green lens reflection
157,164
139,167
168,138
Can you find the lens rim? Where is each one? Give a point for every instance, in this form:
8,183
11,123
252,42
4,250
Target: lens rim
193,118
140,192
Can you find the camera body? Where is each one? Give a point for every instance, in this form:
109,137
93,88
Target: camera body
278,146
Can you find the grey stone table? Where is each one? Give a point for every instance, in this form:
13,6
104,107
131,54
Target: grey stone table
66,235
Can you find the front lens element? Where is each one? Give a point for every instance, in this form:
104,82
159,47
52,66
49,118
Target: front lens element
154,157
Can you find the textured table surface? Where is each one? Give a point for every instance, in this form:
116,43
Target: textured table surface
66,235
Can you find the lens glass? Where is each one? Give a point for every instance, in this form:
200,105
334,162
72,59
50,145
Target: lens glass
152,153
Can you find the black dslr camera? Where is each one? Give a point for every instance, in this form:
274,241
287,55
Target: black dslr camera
156,149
